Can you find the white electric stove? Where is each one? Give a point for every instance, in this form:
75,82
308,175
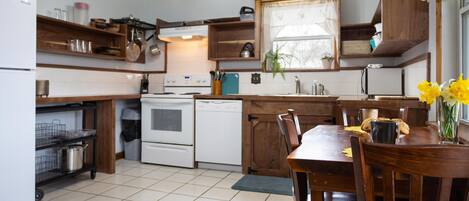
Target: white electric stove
168,121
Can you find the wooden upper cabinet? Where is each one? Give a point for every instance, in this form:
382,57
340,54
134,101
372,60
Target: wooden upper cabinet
226,40
405,24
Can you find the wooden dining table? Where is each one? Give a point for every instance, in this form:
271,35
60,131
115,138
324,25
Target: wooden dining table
321,156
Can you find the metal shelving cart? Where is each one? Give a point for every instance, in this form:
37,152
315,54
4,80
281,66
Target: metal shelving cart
50,137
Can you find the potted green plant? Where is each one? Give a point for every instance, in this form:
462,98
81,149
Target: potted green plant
327,61
276,62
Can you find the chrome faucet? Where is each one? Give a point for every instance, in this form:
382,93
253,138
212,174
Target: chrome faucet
298,85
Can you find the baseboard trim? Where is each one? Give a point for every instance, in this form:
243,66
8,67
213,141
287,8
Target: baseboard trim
214,166
120,155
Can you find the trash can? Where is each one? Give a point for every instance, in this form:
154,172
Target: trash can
131,133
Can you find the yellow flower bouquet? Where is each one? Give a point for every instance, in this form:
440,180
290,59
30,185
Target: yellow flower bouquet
449,97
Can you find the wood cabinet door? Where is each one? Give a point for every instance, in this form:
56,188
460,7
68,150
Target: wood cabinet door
268,149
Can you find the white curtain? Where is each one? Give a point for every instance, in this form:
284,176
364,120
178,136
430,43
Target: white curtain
305,18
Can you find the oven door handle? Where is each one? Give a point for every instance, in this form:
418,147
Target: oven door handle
168,101
168,148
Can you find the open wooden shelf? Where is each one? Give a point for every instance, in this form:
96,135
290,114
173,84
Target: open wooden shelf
235,59
357,56
70,53
233,23
236,41
53,35
75,26
226,40
75,99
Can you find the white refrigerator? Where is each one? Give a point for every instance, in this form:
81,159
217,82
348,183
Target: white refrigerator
17,99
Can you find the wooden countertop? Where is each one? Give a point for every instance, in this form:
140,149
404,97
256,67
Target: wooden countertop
347,100
74,99
270,97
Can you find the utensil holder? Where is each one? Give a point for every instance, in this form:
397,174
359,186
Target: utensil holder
216,88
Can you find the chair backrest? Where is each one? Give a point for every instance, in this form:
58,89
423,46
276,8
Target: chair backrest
296,120
442,161
290,129
355,116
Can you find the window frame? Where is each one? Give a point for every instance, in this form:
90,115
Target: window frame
303,38
464,9
335,41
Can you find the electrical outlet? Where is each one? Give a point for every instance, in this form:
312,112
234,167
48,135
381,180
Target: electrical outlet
255,78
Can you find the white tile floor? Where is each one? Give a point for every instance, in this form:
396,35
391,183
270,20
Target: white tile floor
134,181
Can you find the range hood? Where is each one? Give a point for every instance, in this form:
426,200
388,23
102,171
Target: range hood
183,33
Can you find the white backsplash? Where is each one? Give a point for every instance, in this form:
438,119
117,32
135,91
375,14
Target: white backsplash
156,83
336,83
64,82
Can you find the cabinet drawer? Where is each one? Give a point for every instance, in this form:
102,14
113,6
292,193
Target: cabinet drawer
302,108
175,155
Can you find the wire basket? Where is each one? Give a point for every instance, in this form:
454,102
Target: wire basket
46,162
49,132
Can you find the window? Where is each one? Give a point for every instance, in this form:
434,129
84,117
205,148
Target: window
307,30
465,48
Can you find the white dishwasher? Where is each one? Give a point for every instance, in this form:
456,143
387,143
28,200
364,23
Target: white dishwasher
218,131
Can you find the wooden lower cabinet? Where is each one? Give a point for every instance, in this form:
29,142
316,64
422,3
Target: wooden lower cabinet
264,149
267,145
266,153
269,156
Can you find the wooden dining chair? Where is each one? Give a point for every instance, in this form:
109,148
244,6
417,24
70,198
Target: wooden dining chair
441,161
290,130
355,116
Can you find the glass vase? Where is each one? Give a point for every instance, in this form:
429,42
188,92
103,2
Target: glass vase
448,116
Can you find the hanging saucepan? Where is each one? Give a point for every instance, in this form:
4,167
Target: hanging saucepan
154,49
132,50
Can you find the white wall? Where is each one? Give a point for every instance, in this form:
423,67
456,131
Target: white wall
336,83
189,57
64,83
183,10
354,11
98,8
357,11
414,74
450,39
